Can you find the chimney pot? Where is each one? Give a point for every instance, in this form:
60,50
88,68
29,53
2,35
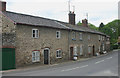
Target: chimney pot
72,18
85,22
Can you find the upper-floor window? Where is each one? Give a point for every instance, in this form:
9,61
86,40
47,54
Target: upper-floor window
73,36
35,56
88,37
58,34
80,36
35,33
59,53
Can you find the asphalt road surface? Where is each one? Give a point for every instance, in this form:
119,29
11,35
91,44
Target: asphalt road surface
106,65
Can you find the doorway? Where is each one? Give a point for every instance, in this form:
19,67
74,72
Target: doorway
93,50
46,56
71,53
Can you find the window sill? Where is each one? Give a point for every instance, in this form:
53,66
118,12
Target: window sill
35,37
81,40
58,57
35,61
81,55
57,38
74,39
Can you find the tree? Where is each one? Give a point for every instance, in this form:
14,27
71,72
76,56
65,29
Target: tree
101,26
111,29
90,25
79,23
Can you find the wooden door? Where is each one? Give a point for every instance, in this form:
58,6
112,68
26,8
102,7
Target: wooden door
71,53
46,56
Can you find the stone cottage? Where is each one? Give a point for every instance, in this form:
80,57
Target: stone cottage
39,40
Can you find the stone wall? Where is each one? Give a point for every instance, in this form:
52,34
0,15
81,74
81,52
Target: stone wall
20,37
0,29
94,41
8,32
25,44
8,40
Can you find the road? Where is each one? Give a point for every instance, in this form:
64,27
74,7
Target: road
106,65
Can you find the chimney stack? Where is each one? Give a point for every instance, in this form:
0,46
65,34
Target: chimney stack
85,22
71,18
2,6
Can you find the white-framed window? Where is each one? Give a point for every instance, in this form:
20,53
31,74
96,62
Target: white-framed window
35,56
80,34
73,36
103,47
81,49
75,50
58,34
103,38
88,37
89,49
99,49
59,53
35,33
99,37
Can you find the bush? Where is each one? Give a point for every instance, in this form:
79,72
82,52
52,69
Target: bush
114,47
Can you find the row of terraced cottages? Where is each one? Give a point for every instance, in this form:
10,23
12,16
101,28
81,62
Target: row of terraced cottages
45,41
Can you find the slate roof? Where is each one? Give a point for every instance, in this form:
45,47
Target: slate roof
83,29
40,21
32,20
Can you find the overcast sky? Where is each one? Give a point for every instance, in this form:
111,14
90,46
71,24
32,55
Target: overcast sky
98,11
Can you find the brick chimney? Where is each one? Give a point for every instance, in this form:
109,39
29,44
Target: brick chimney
2,6
72,18
85,22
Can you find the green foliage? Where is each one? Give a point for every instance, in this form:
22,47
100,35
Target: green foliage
90,25
93,26
79,23
111,29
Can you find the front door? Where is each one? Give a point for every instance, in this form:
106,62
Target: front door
93,50
71,53
46,56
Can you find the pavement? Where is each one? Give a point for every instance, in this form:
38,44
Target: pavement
103,65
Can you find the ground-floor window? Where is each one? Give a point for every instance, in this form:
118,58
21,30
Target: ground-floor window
89,49
81,50
59,53
99,48
75,50
35,56
103,47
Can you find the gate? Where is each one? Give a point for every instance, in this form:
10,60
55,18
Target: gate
8,58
